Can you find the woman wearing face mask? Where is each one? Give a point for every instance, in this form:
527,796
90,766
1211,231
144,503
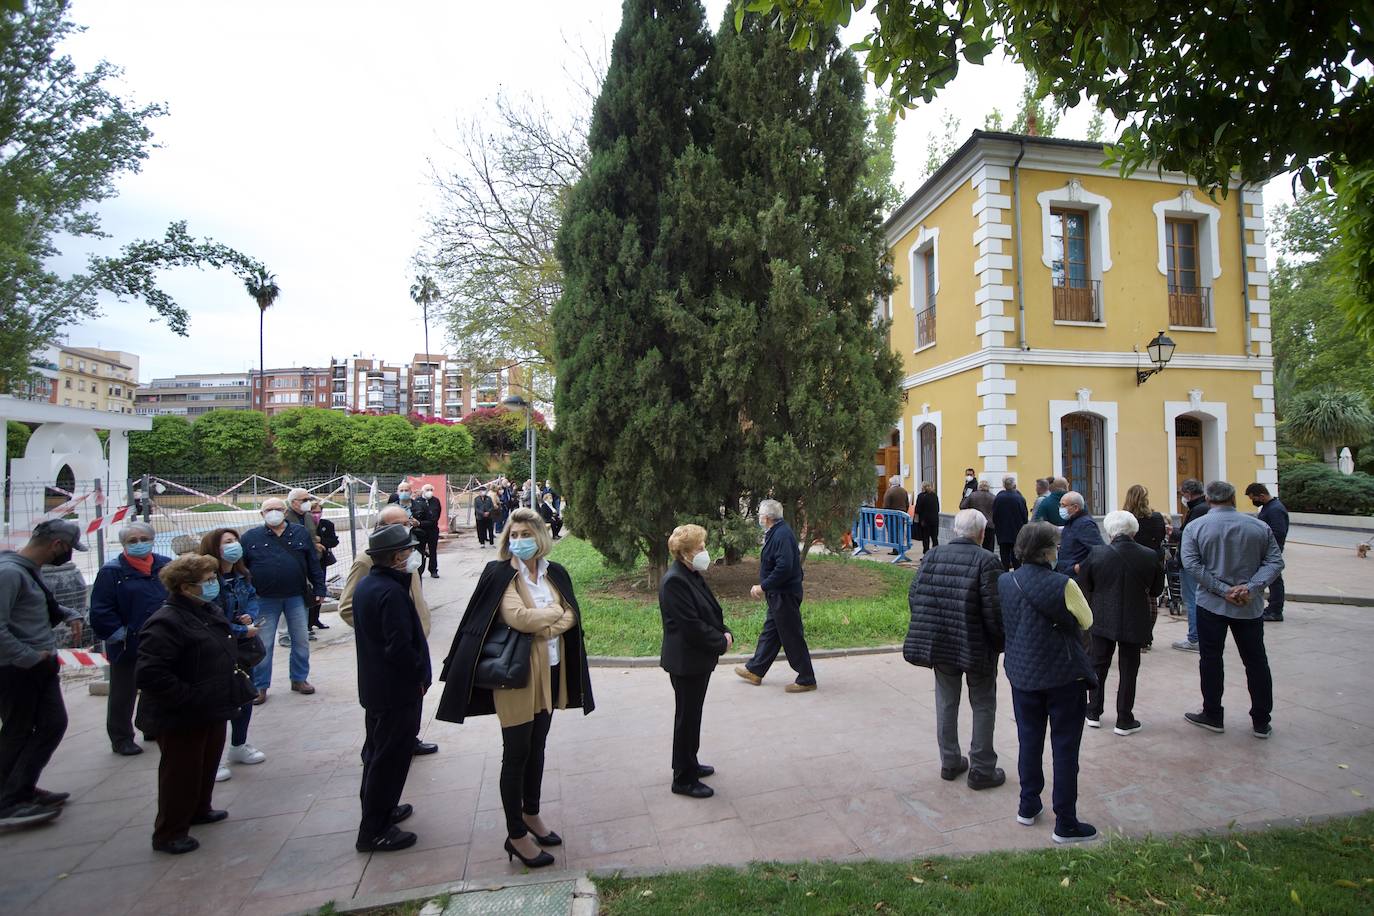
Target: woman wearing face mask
239,601
530,595
551,516
694,639
126,593
192,682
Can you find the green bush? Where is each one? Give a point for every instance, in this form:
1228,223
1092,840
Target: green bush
1313,487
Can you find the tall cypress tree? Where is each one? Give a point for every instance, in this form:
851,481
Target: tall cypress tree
816,390
631,450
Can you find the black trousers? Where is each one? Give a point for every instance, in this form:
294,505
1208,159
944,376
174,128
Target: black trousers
522,766
1249,636
1062,709
429,547
238,726
1008,556
930,537
484,531
989,539
33,720
689,695
1275,605
387,752
119,708
185,777
1128,667
783,629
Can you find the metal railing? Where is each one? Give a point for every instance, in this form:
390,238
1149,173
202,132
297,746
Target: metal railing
925,326
882,528
1077,300
1190,306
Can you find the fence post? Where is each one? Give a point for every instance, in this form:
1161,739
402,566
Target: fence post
352,515
99,532
147,498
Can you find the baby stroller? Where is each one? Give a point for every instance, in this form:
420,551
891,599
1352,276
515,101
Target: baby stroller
1173,577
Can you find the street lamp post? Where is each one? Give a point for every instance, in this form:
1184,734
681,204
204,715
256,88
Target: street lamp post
516,400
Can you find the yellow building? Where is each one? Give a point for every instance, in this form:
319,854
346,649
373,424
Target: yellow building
1031,280
92,379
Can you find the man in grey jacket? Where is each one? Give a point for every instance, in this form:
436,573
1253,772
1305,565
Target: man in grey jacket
1233,556
33,717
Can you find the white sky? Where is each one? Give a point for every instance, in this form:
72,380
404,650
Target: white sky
300,131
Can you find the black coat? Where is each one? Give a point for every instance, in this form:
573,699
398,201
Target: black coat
393,655
693,622
1009,515
1151,533
928,511
1119,580
186,659
426,512
461,698
956,615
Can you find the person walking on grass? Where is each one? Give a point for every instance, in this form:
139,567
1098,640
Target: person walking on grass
780,584
956,630
1274,514
1233,557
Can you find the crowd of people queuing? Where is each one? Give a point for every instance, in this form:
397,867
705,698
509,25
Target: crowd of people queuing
1034,584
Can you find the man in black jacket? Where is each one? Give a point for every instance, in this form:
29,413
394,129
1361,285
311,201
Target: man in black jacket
1009,515
956,629
1274,514
1195,507
393,677
427,512
780,583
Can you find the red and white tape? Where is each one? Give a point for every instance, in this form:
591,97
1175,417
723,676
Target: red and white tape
107,520
78,658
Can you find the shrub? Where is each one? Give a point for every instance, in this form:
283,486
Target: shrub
1315,487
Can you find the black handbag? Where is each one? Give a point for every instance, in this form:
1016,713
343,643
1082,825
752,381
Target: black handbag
504,662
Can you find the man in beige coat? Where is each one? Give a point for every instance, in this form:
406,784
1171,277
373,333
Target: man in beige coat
362,565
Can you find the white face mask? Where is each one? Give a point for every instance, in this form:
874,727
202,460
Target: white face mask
702,561
414,562
307,506
274,517
969,478
427,494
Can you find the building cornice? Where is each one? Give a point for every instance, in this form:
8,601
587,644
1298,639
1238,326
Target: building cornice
1106,359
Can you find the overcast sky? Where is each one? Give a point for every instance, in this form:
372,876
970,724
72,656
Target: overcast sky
301,131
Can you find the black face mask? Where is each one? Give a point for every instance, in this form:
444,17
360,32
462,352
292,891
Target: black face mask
62,558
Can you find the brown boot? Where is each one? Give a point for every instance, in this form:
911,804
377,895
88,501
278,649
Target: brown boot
748,675
260,698
302,687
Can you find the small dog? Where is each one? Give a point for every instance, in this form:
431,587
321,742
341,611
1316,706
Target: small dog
1362,551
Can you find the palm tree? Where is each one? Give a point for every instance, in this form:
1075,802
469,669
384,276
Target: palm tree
424,291
262,286
1329,419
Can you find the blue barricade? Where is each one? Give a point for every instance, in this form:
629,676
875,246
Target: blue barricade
883,528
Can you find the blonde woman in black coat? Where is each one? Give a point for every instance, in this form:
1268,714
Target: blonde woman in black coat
694,639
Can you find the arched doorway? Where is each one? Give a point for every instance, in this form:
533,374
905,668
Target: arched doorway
925,449
1084,461
1188,449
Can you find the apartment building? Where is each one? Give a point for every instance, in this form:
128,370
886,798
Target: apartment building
276,390
192,395
94,379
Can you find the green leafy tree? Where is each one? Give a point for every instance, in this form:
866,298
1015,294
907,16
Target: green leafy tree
383,445
1032,107
65,140
262,286
880,170
1256,88
632,447
815,384
233,441
313,440
1329,420
16,441
168,449
444,449
497,431
940,147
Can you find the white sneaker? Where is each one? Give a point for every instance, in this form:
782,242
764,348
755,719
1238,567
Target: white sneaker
245,753
223,774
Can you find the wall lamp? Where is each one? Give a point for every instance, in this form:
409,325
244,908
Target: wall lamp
1161,350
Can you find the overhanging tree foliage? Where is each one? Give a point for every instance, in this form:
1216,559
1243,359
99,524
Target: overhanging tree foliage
64,139
228,441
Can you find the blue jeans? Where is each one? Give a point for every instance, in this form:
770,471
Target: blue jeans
271,613
1189,587
1062,709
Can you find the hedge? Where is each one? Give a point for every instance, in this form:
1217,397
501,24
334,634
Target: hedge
1315,487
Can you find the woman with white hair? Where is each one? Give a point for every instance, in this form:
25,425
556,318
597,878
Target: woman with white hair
126,593
1121,579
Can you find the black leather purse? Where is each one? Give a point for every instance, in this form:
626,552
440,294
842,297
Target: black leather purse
504,662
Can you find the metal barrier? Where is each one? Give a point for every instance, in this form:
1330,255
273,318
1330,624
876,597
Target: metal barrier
883,528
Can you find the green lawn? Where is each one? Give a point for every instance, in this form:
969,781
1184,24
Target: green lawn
631,627
1327,868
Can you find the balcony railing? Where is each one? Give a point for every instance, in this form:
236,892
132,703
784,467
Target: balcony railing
1190,307
925,326
1077,300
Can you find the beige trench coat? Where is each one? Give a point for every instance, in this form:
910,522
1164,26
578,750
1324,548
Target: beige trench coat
518,705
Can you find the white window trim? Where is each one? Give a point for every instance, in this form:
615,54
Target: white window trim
1073,195
926,240
1187,206
1213,417
1104,409
934,419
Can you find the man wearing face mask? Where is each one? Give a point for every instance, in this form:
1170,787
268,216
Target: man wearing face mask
780,583
427,512
1274,514
33,717
285,566
126,593
393,677
1079,537
970,484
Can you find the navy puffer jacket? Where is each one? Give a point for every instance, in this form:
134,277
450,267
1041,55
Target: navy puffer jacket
956,615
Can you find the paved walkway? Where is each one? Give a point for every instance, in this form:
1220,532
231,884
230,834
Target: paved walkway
850,771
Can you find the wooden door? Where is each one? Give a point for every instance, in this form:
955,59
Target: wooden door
887,462
1188,449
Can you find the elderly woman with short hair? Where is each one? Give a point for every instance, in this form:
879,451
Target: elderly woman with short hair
1121,580
694,638
529,594
126,593
1043,614
928,516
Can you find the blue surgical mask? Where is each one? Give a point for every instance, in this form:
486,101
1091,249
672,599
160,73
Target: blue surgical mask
404,497
232,553
524,548
1064,513
209,590
139,548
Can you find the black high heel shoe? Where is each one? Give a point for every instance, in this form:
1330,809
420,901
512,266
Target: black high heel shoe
538,861
552,839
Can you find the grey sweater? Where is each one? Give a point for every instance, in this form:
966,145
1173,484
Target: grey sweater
25,632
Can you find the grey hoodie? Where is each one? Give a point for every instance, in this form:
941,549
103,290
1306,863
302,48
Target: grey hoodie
25,632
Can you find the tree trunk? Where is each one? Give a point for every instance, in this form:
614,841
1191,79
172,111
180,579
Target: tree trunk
429,362
262,382
1331,456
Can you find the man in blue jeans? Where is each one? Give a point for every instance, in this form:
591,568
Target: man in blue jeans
1190,491
286,572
